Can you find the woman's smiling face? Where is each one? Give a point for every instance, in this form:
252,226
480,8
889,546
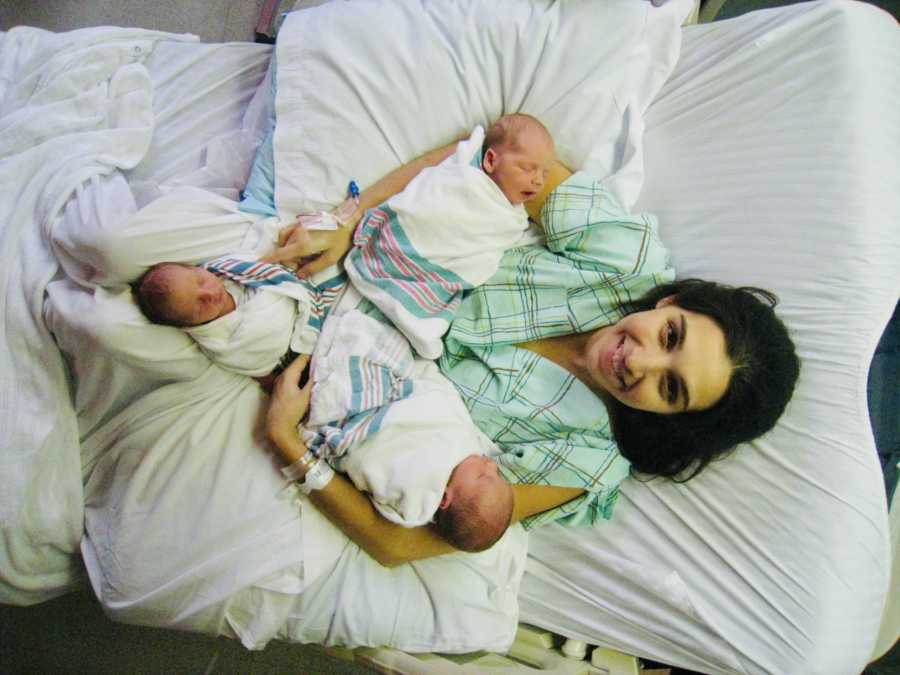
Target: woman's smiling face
664,360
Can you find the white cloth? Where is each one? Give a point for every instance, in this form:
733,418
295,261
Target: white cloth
339,389
189,524
445,233
264,326
72,106
406,464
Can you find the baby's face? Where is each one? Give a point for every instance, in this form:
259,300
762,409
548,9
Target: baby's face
519,169
196,295
479,474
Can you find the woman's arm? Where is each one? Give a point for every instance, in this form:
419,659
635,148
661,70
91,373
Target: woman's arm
392,544
558,174
328,246
351,510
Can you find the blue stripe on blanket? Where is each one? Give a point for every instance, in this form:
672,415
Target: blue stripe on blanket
253,273
384,256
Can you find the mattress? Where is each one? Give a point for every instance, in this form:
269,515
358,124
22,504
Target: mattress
771,161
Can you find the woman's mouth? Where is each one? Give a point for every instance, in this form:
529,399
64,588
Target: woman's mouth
616,363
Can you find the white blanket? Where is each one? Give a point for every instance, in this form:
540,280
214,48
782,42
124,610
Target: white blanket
253,338
267,322
72,106
189,524
444,234
406,464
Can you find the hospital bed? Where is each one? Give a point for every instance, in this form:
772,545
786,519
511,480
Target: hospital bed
767,146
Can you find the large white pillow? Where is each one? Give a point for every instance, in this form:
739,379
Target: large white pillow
366,86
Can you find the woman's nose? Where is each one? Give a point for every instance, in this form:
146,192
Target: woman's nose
643,362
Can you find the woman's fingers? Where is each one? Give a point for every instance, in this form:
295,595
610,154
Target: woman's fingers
336,244
294,371
315,265
284,233
294,242
289,403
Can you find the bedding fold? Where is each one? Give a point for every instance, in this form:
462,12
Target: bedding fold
72,106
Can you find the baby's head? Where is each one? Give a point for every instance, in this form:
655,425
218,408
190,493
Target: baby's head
179,295
518,153
477,505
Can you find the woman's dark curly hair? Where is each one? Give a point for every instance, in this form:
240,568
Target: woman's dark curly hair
765,370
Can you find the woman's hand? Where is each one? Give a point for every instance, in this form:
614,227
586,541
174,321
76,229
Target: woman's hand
289,404
312,251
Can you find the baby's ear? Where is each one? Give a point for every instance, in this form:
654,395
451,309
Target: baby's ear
489,163
446,500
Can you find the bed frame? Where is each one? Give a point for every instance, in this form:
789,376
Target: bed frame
533,651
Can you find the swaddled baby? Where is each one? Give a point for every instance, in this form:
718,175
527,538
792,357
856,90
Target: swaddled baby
416,255
245,315
398,428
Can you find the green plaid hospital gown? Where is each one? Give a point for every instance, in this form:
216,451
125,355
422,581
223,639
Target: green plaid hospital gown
552,429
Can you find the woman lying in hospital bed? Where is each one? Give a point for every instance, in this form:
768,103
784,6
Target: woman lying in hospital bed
618,364
686,370
254,599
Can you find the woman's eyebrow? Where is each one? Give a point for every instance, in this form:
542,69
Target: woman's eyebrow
685,394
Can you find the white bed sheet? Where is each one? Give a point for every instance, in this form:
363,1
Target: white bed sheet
771,159
199,96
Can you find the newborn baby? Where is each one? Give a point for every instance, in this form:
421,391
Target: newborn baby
417,254
245,315
400,431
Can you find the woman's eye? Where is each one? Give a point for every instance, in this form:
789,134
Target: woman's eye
671,390
671,337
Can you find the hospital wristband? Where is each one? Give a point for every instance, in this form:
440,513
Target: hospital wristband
315,472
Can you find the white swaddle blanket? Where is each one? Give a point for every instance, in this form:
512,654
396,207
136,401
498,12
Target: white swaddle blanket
405,466
394,424
268,321
253,338
415,255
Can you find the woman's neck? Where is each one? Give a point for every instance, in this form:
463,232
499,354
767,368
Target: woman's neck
566,351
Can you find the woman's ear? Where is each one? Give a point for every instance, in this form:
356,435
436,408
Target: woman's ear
489,163
666,301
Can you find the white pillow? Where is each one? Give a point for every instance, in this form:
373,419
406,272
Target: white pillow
779,554
366,86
